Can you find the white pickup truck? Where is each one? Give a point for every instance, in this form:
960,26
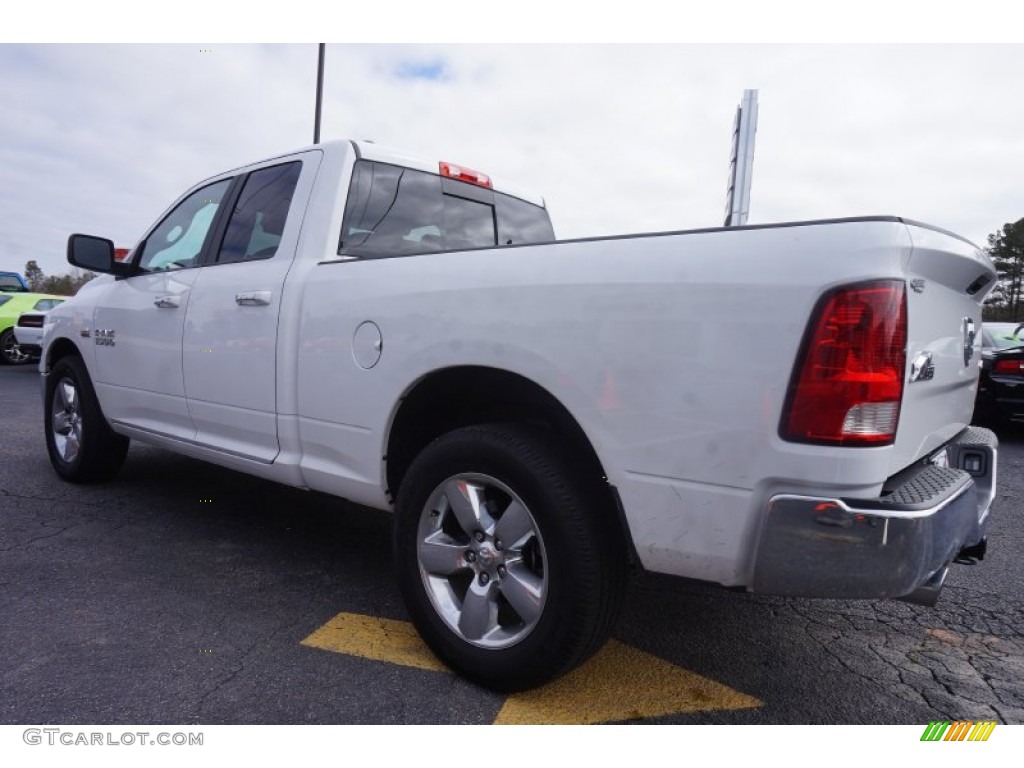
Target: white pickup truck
780,408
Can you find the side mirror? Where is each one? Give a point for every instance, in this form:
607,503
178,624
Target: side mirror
95,254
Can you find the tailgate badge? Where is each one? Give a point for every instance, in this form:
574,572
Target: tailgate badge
968,331
917,284
921,367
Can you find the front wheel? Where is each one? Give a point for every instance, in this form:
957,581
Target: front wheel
82,446
10,352
509,558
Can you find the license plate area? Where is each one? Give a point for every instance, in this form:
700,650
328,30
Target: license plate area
975,451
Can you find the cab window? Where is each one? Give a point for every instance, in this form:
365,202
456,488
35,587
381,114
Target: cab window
257,221
395,211
178,240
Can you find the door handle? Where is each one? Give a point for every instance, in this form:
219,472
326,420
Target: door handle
168,302
253,299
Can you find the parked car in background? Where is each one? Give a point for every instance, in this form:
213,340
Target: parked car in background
28,332
1001,385
12,306
12,282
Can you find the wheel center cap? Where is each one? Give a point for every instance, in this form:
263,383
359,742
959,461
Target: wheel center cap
486,555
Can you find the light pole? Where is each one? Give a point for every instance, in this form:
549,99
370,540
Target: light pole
319,94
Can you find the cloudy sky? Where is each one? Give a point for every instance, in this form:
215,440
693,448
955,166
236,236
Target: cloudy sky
617,138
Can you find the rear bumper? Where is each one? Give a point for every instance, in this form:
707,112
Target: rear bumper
1001,404
885,547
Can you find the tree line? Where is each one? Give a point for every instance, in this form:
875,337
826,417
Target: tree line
1006,247
59,285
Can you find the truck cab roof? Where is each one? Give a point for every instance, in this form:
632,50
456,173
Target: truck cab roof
366,149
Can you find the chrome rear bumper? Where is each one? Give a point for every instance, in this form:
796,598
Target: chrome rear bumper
897,545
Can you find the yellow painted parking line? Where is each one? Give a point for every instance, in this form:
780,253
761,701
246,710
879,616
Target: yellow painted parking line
372,638
619,683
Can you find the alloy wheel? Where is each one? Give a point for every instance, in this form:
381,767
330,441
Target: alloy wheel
66,420
482,560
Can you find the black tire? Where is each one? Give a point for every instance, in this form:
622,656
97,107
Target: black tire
82,446
10,352
555,603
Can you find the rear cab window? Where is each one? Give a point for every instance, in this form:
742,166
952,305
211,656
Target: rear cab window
396,211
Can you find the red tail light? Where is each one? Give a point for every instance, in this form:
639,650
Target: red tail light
1008,366
30,321
468,175
848,383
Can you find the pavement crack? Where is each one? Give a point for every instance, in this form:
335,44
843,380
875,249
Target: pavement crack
243,655
24,544
4,493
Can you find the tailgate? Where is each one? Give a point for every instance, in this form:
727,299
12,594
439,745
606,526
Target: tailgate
948,278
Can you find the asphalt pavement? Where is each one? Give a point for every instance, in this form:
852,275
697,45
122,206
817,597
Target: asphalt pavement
186,593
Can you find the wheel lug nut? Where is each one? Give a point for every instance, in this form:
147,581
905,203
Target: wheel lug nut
484,578
479,536
471,556
497,544
502,570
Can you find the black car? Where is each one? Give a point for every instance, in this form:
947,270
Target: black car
1001,386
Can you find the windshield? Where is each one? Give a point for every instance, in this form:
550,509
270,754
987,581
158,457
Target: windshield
11,284
1003,335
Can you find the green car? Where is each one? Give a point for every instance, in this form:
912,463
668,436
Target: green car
11,307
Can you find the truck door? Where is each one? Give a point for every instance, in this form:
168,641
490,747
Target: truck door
229,353
138,322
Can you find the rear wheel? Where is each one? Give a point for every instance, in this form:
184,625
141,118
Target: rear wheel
82,446
509,559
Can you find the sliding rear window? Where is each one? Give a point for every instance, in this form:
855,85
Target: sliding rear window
394,211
